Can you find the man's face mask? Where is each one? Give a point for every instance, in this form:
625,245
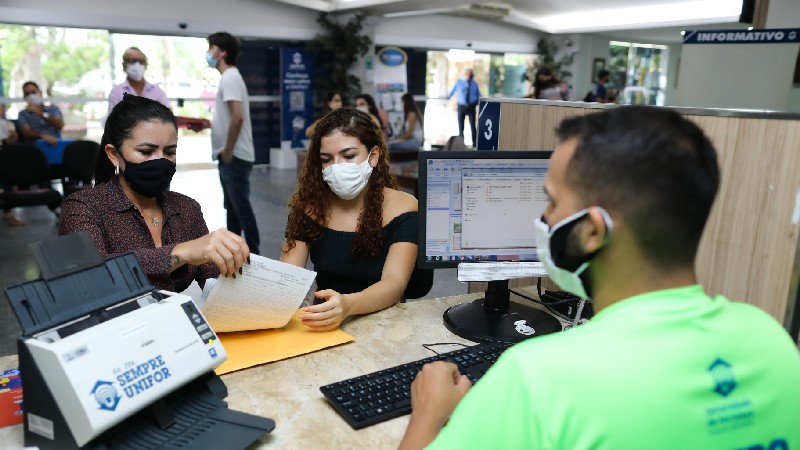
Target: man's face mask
135,71
34,99
567,271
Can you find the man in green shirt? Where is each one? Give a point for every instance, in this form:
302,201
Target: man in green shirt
661,365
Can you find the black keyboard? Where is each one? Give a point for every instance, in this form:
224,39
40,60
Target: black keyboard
386,394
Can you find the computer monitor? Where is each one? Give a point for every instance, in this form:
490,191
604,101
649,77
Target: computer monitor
480,207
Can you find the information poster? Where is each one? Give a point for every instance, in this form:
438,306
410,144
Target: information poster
391,82
297,99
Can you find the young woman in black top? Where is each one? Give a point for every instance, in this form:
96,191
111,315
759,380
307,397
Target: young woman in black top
349,217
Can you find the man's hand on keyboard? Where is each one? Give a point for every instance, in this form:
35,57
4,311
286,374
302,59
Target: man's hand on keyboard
436,391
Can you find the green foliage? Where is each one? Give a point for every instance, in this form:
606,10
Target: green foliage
335,51
61,59
546,57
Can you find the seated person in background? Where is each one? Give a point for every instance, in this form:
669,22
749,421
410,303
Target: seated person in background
134,63
8,135
366,103
347,214
411,137
548,87
332,103
662,365
599,93
132,210
37,120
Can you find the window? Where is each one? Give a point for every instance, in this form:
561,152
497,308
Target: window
638,72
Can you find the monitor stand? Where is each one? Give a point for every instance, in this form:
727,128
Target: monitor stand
496,319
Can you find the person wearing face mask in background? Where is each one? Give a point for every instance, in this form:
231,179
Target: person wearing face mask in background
662,365
468,95
134,63
332,102
349,217
130,209
365,103
232,137
37,120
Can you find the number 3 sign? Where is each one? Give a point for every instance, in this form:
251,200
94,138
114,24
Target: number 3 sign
488,125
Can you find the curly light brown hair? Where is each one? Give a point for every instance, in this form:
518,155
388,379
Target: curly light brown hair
311,197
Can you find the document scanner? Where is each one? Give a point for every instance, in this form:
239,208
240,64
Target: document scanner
109,362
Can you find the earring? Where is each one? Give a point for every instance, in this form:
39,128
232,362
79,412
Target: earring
116,170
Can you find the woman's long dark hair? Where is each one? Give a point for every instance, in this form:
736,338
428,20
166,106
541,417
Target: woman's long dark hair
539,85
311,198
121,122
373,108
409,105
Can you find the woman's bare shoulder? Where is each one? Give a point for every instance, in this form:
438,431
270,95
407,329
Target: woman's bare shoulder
397,202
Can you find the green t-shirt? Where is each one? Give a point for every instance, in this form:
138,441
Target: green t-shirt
664,370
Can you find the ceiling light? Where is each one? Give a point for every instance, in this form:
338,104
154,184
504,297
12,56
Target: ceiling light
677,13
458,55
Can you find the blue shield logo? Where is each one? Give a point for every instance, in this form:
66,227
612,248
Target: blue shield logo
106,395
724,380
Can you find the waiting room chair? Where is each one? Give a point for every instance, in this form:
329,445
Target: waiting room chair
25,167
77,165
420,283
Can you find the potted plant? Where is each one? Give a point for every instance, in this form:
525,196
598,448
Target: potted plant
335,50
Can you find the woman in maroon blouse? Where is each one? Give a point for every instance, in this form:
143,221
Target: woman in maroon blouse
132,210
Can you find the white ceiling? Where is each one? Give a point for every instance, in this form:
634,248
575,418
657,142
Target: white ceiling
555,16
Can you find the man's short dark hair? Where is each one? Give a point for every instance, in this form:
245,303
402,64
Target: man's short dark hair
227,43
653,167
31,83
603,74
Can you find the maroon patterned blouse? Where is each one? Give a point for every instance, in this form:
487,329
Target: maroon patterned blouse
117,227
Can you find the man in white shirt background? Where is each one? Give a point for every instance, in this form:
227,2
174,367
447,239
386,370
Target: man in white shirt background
232,137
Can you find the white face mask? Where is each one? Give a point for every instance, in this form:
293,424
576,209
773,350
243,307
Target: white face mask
34,99
347,180
135,71
569,281
363,109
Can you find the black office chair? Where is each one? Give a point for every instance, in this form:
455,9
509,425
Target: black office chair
455,143
420,283
77,165
25,167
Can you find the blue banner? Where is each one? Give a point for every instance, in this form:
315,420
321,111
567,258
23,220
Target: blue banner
297,99
762,36
488,125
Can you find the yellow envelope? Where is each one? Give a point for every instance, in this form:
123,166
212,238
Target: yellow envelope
251,348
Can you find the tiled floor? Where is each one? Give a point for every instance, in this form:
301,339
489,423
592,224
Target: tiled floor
271,189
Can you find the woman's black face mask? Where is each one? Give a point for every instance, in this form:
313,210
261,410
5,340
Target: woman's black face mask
149,178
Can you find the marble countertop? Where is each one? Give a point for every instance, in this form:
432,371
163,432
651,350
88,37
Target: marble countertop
288,391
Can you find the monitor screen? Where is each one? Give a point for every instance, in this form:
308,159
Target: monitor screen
480,205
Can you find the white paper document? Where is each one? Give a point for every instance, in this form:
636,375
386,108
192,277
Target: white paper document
266,295
491,271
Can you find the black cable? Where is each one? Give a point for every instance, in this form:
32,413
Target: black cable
428,346
547,305
557,302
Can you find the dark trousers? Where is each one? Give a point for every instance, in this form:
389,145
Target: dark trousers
468,110
235,179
